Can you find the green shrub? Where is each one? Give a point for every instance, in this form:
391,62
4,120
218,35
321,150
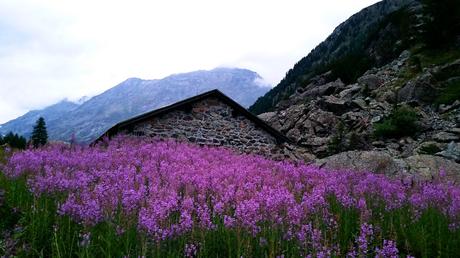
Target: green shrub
402,122
450,93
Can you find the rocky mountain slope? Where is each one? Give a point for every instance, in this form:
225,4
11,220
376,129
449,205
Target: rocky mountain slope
374,36
135,96
394,107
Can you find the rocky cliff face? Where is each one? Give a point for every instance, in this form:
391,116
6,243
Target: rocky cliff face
327,116
134,96
319,110
351,123
371,37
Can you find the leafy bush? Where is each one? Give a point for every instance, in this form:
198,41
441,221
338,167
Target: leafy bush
402,122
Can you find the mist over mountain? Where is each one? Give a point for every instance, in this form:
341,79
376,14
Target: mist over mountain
23,125
89,118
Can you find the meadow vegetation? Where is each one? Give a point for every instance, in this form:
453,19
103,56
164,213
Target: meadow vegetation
145,197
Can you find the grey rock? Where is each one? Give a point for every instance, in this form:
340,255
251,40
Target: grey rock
349,92
371,161
376,119
378,144
394,145
445,137
404,55
360,103
333,104
371,81
420,167
455,130
323,118
420,90
447,108
316,141
314,90
409,140
452,152
429,144
267,116
388,96
427,167
356,121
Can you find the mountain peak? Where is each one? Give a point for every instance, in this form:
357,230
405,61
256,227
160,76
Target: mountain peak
135,96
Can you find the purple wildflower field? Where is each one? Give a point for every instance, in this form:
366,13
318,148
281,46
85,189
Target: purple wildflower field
169,191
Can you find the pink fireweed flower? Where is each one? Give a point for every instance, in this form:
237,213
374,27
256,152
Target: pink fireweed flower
389,250
365,236
170,188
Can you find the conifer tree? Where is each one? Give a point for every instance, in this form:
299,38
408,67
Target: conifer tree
15,141
39,134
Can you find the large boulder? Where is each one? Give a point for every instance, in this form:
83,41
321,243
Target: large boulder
349,92
371,161
333,104
371,81
452,152
314,90
428,167
267,116
421,167
420,90
445,137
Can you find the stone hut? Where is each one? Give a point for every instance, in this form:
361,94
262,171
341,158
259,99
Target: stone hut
211,119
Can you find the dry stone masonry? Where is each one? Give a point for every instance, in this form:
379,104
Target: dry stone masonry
209,122
214,123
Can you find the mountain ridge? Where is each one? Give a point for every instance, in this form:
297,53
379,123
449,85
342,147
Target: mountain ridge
389,101
347,38
133,96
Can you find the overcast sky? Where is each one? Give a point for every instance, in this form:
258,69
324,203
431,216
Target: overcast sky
53,49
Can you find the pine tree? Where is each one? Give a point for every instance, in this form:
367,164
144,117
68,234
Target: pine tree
15,141
39,134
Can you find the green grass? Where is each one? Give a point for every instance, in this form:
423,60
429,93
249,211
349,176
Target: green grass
43,233
450,93
430,57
